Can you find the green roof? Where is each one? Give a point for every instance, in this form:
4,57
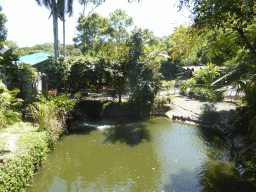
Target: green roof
35,58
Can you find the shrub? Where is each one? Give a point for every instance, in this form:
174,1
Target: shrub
183,89
249,162
51,115
19,167
206,94
125,109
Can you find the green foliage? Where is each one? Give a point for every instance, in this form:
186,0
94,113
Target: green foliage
3,29
144,77
16,173
160,101
206,75
56,72
93,31
183,89
206,94
12,44
48,47
51,115
63,101
19,167
10,69
120,22
169,68
167,83
71,51
85,72
125,109
182,40
8,106
248,161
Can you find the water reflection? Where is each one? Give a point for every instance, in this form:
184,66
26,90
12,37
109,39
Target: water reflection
184,180
218,176
131,134
90,163
217,172
156,155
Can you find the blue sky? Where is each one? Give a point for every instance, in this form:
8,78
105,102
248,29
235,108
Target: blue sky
28,23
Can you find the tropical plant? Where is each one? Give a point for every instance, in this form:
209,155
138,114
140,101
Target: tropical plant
206,75
64,7
52,6
51,114
238,16
9,105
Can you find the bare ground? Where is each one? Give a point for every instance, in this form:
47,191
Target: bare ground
183,106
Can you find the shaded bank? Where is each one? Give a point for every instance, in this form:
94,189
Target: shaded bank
96,110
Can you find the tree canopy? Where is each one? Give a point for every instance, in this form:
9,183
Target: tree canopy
3,29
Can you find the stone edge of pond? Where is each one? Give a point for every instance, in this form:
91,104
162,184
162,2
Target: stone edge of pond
238,145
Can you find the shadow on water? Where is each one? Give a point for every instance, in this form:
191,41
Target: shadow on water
131,134
185,180
80,127
211,138
218,173
222,176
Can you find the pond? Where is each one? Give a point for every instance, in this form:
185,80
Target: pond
153,155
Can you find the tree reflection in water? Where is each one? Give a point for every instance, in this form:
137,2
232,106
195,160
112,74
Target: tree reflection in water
131,134
218,173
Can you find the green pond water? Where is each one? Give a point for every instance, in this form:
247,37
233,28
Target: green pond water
154,155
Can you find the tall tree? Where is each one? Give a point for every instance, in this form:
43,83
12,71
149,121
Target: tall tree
52,6
3,29
64,7
120,21
92,32
143,71
94,3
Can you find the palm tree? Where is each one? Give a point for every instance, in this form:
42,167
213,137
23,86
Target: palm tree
52,5
61,6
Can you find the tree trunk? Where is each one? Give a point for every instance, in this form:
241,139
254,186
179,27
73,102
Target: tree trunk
120,92
64,41
55,30
249,45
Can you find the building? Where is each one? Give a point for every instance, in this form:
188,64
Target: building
27,84
37,60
